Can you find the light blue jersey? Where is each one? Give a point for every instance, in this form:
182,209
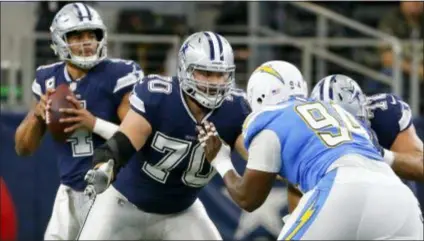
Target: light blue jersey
313,135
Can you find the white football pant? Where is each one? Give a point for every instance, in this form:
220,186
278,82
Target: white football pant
358,199
69,211
113,217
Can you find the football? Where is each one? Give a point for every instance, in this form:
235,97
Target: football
59,101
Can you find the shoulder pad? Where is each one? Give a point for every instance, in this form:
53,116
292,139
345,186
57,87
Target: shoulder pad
49,66
149,91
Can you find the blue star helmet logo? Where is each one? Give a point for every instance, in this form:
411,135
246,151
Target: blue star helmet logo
353,91
184,48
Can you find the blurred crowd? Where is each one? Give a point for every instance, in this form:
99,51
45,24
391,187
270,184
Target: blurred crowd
404,20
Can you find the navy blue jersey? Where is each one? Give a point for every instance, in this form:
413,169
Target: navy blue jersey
100,92
171,168
389,116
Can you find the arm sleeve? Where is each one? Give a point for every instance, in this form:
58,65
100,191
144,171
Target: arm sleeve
405,120
265,152
36,89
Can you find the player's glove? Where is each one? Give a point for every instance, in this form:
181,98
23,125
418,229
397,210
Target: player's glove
99,179
108,159
103,154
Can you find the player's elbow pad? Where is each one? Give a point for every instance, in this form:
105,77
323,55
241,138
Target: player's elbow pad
118,147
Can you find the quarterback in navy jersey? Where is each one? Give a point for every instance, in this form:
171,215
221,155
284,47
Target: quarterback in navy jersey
155,196
101,87
388,116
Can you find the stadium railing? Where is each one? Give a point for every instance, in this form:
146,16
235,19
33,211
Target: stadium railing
18,69
322,42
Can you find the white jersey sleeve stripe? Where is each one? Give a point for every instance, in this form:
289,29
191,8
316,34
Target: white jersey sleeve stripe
36,88
137,103
127,80
406,119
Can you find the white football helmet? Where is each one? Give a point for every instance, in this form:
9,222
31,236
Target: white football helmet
344,91
78,17
206,51
274,82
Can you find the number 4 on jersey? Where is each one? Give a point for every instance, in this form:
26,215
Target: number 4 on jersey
81,140
318,118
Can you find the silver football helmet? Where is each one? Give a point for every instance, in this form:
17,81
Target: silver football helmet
78,17
206,51
344,91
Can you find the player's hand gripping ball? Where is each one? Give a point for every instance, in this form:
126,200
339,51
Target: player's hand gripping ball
57,101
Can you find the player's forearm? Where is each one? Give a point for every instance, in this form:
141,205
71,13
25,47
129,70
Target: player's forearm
29,134
117,148
238,192
409,165
105,128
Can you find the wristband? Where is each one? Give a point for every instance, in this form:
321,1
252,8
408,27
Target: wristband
222,166
222,162
104,128
388,157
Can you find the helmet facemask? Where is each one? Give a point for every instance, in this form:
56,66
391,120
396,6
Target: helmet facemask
208,94
362,103
63,48
353,99
201,55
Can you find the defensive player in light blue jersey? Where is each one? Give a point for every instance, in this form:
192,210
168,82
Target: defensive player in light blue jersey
388,116
325,151
155,195
101,87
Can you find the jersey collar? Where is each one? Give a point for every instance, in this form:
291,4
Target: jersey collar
189,111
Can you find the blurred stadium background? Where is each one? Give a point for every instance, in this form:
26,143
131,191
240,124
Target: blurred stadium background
379,44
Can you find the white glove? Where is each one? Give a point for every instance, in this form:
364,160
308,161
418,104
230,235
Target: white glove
99,179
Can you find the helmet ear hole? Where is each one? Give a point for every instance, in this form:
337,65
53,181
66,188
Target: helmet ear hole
99,34
259,100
